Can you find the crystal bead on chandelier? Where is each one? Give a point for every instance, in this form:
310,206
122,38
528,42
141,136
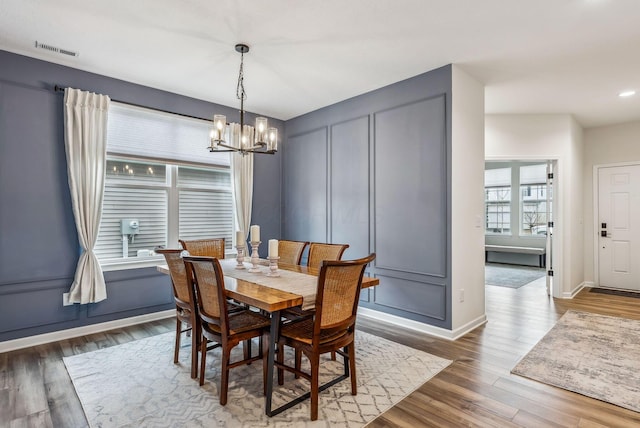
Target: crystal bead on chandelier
243,138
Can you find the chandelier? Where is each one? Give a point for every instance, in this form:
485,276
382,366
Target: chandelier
239,137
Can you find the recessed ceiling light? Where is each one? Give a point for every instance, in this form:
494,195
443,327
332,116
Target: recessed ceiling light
625,94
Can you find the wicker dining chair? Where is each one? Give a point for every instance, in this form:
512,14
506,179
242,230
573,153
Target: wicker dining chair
212,247
331,329
186,307
319,252
290,252
220,327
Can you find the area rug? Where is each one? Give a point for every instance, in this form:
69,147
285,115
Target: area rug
593,355
137,385
509,276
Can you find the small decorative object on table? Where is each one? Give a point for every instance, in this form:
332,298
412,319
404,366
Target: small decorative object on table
240,246
255,243
273,258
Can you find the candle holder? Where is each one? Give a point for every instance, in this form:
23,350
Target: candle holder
254,257
240,257
273,266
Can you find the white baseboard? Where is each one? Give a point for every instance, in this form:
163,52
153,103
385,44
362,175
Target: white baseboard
572,293
422,327
40,339
589,284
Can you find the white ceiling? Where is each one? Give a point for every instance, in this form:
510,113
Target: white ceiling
542,56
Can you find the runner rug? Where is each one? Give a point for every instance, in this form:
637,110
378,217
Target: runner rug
136,384
593,355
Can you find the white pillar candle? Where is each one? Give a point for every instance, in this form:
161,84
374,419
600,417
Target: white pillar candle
255,233
240,238
273,248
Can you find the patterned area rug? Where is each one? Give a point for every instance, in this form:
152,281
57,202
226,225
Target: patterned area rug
593,355
510,276
137,384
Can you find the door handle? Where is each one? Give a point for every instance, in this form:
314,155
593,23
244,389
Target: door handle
604,234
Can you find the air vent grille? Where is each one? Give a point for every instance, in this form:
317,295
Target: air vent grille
55,49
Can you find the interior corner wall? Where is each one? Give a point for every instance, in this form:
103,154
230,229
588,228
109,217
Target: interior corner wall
549,137
467,200
374,172
38,241
604,145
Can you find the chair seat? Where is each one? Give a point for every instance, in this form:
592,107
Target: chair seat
242,321
302,331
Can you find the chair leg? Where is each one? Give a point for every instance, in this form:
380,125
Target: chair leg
298,362
333,355
194,354
352,366
224,378
247,350
315,371
178,334
203,358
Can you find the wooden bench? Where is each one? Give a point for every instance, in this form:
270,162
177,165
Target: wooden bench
540,252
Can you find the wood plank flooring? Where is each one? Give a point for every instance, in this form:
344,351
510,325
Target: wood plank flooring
476,390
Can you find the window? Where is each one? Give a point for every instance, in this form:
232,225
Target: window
533,200
497,193
170,195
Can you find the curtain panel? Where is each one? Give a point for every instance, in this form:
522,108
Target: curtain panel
242,171
85,138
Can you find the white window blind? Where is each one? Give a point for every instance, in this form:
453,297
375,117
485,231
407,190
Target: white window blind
136,131
533,174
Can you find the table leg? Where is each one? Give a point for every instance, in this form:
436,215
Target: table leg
273,337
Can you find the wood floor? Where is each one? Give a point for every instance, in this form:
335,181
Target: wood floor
476,390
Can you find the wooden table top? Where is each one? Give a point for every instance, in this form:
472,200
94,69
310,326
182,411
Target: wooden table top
267,298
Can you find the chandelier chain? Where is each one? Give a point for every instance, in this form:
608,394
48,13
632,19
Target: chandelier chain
240,92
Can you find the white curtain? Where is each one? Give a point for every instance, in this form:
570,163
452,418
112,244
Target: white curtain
85,140
242,170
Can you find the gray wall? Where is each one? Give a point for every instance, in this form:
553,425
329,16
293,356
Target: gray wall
38,241
374,172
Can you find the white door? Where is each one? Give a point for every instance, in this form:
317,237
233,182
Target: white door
619,227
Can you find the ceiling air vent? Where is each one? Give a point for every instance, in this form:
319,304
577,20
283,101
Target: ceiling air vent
55,49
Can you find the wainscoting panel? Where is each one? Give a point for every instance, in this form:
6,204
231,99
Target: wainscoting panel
411,183
420,298
350,186
133,289
35,304
305,183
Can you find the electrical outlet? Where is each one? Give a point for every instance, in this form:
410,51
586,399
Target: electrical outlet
65,300
462,295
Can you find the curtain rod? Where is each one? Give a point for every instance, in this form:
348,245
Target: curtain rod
58,88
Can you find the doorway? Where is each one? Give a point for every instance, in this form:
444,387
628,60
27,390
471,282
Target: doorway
520,202
618,221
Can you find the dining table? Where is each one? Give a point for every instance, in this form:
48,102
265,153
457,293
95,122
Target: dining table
295,286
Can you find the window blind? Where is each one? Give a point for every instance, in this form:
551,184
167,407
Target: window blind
140,132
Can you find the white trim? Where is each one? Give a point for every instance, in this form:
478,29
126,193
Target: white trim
572,294
589,284
421,327
40,339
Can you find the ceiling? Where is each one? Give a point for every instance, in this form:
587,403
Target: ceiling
540,57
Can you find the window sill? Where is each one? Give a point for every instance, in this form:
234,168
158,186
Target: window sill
142,262
131,263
